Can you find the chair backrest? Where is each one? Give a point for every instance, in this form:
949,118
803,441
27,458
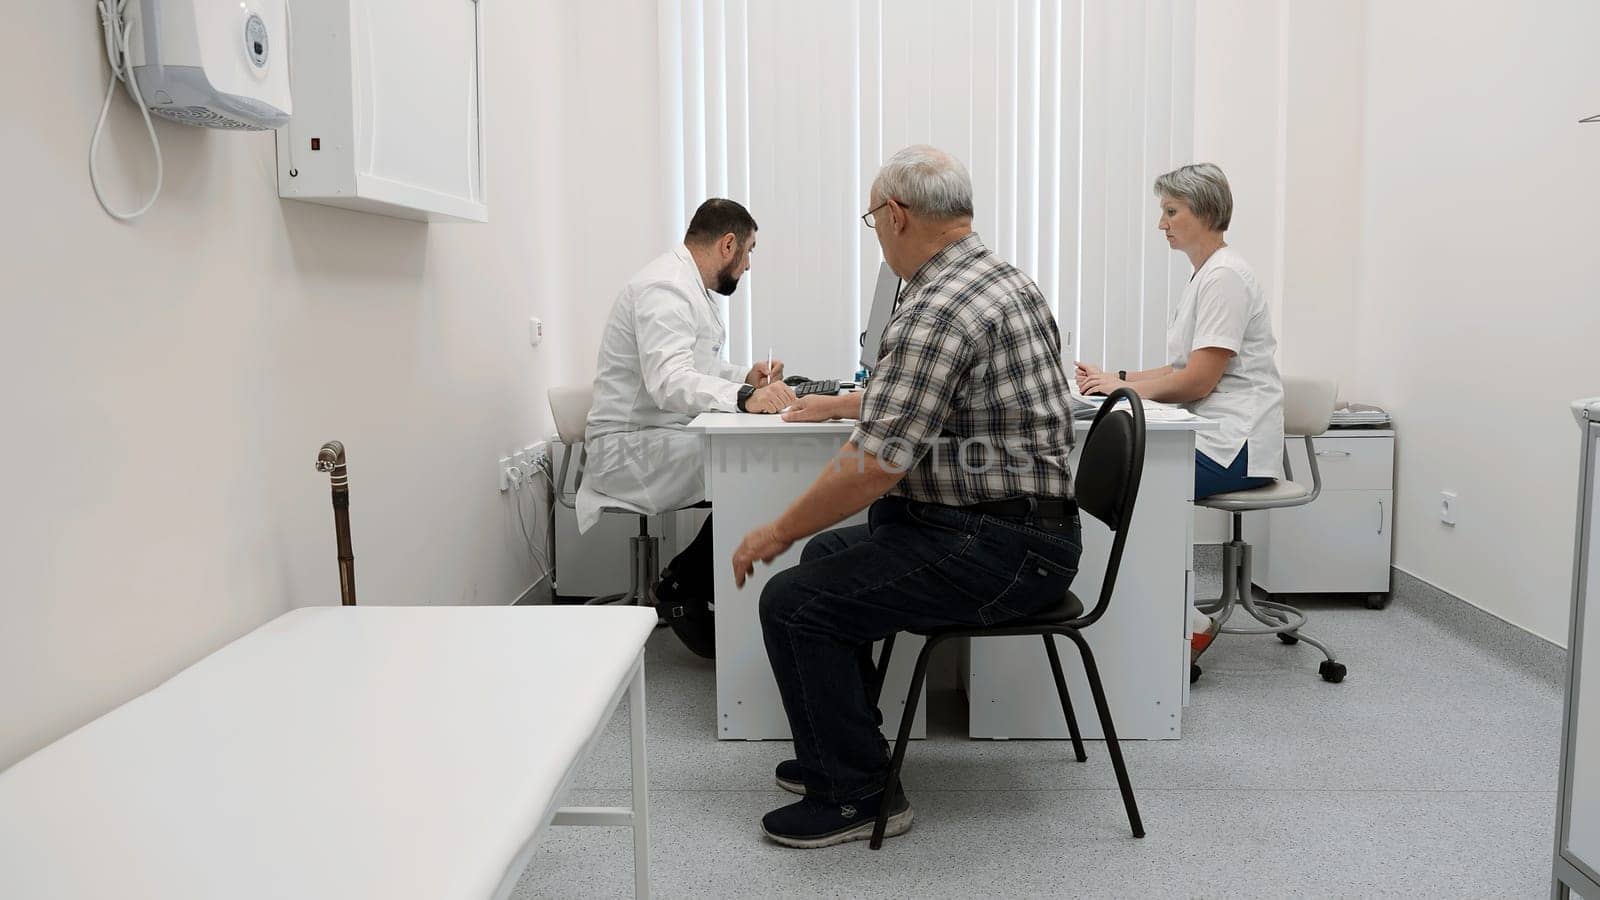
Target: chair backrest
1308,404
569,405
1107,483
1307,411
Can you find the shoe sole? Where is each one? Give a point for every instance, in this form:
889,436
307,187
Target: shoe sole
793,787
898,824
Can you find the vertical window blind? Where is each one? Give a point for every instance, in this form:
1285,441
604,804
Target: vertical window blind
1063,110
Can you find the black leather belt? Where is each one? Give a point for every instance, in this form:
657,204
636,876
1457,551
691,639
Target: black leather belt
1023,507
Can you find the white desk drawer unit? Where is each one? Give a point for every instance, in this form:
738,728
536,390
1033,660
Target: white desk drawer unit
1341,542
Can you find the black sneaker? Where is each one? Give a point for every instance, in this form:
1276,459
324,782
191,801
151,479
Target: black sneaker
812,823
792,777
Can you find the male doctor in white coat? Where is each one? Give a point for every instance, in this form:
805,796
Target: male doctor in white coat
660,365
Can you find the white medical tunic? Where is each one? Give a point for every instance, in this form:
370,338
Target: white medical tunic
660,365
1223,306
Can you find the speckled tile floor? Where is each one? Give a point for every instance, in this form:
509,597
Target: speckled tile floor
1429,772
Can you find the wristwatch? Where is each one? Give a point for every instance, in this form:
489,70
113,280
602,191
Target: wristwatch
1122,374
745,391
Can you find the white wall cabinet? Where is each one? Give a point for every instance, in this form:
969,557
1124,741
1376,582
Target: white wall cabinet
389,106
1341,542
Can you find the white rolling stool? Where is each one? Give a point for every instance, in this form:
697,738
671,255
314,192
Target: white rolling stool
1307,410
569,406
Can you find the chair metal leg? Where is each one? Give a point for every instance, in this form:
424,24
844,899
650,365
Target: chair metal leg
1110,730
893,782
644,553
1223,606
1275,617
1066,702
883,669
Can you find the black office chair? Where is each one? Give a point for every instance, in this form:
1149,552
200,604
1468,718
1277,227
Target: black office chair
1107,487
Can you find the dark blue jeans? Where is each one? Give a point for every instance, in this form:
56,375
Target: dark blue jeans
912,566
1211,478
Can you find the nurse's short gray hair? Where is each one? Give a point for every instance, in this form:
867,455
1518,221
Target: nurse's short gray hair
928,181
1204,189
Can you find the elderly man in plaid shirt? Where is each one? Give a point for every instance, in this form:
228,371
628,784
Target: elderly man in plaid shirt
961,452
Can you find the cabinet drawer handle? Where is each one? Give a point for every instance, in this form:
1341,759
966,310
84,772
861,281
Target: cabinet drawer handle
1333,453
1380,517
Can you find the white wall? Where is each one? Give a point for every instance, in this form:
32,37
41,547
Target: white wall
1478,313
1237,123
1278,105
1431,251
167,383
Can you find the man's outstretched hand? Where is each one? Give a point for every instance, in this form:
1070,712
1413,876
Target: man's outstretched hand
763,544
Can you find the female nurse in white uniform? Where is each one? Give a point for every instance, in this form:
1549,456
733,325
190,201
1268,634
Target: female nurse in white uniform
1220,349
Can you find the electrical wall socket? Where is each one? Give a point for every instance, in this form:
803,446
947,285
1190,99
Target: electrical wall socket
1447,507
520,467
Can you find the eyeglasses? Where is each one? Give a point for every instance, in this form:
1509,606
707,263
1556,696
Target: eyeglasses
867,218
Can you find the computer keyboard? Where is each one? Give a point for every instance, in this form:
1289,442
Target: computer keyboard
816,387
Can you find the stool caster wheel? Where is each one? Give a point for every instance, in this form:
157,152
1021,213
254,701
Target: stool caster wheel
1288,638
1194,673
1377,601
1331,671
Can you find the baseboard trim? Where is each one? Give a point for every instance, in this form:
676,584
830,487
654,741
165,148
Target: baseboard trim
537,594
1508,641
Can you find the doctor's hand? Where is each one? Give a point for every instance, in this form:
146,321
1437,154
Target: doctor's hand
770,399
761,375
763,544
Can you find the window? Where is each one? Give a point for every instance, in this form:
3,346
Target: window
1065,111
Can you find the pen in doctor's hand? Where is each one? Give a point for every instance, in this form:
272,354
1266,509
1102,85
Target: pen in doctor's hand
769,365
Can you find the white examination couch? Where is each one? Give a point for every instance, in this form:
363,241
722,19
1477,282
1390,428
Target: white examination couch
344,752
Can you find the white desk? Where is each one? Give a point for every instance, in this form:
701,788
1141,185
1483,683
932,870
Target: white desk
363,752
756,465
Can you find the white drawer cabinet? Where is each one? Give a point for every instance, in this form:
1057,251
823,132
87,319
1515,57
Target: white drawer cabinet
1340,543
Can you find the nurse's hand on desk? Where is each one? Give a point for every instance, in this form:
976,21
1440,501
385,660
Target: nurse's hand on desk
770,399
1084,371
1101,384
761,375
763,544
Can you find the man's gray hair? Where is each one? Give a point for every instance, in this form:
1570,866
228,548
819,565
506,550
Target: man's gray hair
1204,189
926,180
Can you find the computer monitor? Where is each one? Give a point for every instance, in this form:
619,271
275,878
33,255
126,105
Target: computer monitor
884,297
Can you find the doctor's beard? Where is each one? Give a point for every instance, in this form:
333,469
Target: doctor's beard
727,282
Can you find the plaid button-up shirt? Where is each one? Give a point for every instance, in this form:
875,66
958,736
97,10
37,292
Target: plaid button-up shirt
969,395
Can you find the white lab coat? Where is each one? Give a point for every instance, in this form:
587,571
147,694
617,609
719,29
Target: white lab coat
660,365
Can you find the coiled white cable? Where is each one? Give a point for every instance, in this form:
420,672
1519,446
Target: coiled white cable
117,31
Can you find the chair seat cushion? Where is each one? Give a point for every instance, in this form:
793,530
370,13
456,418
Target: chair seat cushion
1278,493
1069,608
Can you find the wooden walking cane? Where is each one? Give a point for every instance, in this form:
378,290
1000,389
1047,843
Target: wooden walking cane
330,459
